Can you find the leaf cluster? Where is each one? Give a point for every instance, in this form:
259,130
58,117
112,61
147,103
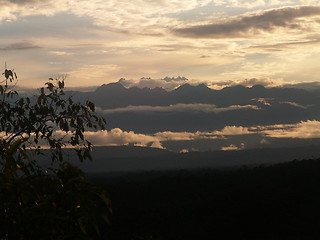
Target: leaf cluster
58,199
63,206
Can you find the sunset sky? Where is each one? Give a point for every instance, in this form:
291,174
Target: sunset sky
94,42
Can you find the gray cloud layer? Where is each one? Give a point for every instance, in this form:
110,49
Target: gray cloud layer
180,107
244,26
19,46
116,137
25,1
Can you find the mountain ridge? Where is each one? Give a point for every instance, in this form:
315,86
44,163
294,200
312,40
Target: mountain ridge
123,158
115,95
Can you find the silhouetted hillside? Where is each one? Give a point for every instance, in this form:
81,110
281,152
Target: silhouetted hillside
121,159
276,202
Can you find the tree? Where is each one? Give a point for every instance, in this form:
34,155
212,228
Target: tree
52,200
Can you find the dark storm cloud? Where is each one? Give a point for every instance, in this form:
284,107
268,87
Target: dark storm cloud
19,46
266,21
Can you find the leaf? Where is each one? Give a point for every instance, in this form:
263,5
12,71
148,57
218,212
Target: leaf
61,84
14,147
91,106
8,74
39,100
50,86
61,123
106,219
24,154
105,199
82,226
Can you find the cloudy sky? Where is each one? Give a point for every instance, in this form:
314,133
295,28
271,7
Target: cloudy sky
97,41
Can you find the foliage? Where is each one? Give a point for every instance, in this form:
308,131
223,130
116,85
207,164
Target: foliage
49,200
266,202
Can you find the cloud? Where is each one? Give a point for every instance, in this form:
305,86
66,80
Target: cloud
295,104
287,44
180,107
23,2
233,147
117,137
303,130
264,101
183,136
189,150
310,86
232,131
60,53
24,45
125,16
114,137
189,136
266,82
264,141
152,83
245,26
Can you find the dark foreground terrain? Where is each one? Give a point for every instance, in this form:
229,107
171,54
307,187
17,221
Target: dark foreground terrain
274,202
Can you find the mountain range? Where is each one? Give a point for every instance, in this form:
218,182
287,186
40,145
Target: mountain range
199,108
115,95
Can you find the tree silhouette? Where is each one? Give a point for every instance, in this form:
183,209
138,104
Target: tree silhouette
37,201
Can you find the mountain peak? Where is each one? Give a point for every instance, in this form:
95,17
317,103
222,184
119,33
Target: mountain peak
116,86
184,86
258,87
202,86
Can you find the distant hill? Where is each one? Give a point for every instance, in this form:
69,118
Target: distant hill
271,202
119,159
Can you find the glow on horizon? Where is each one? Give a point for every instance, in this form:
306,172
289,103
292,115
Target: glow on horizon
96,42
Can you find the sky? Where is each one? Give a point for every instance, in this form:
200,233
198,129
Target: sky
212,41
